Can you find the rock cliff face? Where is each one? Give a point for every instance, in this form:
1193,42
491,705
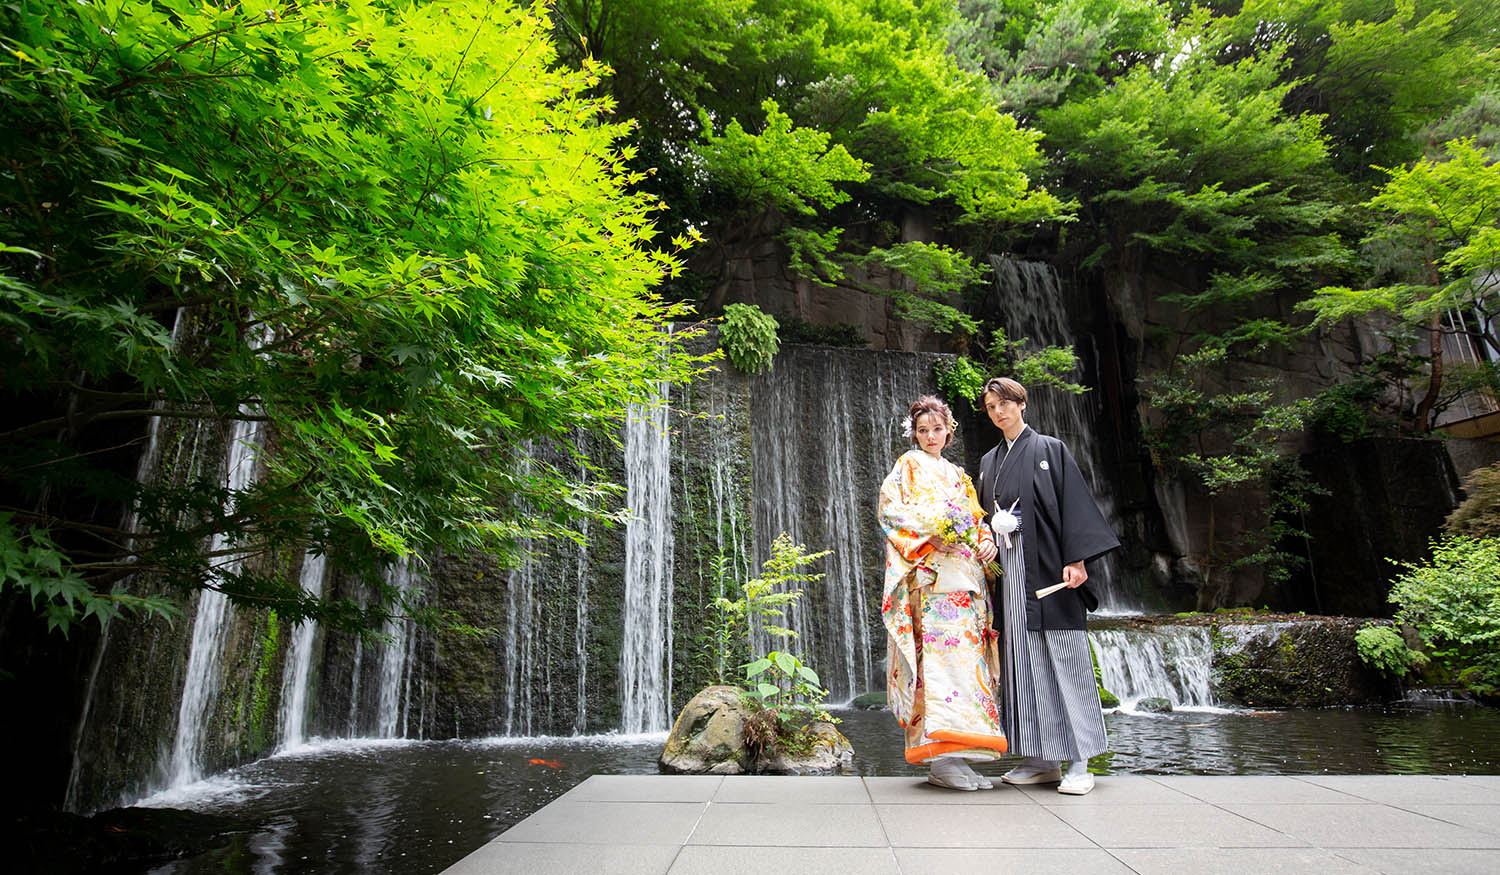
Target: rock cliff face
1383,500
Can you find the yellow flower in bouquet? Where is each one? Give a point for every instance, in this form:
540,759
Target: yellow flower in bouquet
960,528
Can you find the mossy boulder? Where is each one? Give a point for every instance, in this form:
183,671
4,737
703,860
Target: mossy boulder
709,739
869,701
1306,662
1154,705
824,751
708,736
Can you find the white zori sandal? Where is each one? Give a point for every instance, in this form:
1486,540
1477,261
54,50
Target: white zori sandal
949,772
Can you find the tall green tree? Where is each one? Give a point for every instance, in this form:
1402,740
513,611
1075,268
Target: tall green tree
1435,261
399,235
1376,71
818,123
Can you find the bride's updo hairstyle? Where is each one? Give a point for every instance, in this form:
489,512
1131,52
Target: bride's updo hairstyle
928,404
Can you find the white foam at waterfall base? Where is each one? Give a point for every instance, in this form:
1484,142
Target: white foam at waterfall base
232,786
605,739
205,792
646,651
1172,663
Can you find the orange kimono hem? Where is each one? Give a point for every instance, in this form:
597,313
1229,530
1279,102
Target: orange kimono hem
949,741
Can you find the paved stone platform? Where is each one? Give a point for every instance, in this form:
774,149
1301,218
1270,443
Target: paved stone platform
640,824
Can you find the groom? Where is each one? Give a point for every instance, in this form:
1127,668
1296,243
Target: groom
1039,502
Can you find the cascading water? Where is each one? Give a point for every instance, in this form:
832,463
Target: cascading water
1030,301
202,678
581,631
395,661
522,615
816,475
292,719
846,514
646,655
1169,662
802,449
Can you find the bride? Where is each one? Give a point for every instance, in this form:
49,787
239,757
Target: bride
941,652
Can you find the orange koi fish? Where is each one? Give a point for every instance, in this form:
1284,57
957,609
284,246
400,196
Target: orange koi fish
551,764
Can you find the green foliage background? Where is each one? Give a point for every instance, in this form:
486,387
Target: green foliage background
1453,601
411,237
400,235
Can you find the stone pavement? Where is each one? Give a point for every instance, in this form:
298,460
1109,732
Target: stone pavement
629,824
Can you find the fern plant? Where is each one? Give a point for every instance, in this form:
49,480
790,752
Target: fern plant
748,336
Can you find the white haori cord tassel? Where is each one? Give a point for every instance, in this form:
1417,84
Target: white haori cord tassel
1003,522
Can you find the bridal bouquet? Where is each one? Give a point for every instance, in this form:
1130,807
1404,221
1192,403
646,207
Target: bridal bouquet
958,527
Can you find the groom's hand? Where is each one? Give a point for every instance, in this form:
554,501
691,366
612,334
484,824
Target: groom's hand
1074,575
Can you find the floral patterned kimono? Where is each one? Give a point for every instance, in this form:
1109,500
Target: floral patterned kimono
941,657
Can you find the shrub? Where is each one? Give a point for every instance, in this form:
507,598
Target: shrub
1346,411
1453,601
795,329
960,380
1478,516
777,681
1383,649
748,335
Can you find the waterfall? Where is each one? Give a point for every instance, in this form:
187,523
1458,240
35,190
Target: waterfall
778,493
646,657
1168,662
395,660
145,468
292,719
352,721
581,631
825,431
846,602
201,680
523,617
1031,305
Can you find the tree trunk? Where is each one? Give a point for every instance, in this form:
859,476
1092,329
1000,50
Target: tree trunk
1435,369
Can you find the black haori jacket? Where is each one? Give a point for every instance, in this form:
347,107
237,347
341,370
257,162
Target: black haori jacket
1060,523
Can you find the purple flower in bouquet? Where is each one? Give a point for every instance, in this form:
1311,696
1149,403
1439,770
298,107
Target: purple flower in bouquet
958,527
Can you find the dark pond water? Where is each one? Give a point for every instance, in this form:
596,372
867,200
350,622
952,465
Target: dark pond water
418,807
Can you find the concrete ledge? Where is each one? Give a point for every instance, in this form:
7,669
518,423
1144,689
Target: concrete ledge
678,825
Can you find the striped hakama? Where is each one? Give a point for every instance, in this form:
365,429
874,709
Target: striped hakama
1049,701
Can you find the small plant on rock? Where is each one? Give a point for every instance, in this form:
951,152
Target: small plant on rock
786,693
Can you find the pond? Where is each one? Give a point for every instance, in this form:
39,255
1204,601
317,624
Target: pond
418,807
